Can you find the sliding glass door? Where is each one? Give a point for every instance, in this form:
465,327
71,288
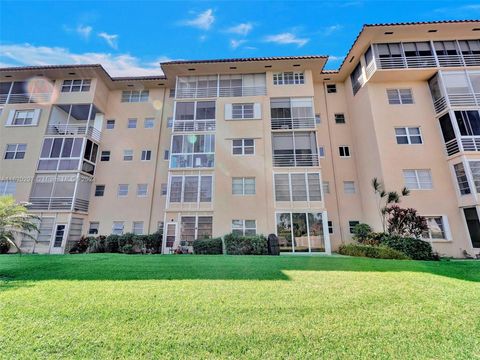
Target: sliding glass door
300,232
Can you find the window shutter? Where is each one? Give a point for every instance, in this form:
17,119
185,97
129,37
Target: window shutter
228,112
257,111
11,115
446,228
36,116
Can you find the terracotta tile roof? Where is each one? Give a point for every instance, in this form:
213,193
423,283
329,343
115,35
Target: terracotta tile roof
271,58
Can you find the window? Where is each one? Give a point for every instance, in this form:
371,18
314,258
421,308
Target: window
300,231
64,154
194,116
137,227
475,171
142,190
349,187
321,151
344,151
244,227
15,151
76,85
191,188
93,228
351,225
468,122
297,187
408,135
242,111
149,123
135,96
418,179
339,118
7,187
171,93
23,118
105,156
356,77
122,190
166,155
330,226
318,119
164,189
186,153
117,227
195,227
331,88
132,124
243,186
292,113
469,47
243,147
462,179
399,96
110,124
412,49
127,155
326,187
288,78
146,155
294,149
99,190
436,228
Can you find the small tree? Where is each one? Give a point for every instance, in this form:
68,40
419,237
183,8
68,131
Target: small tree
15,221
405,222
386,198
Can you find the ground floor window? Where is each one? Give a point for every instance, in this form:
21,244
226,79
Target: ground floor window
195,227
300,232
436,228
244,227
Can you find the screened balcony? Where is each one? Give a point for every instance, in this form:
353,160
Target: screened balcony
192,151
292,113
57,192
22,92
294,149
75,119
194,116
461,131
455,89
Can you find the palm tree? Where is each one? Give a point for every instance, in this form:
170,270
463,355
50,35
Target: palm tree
386,198
15,221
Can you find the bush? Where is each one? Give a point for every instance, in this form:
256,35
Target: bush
208,246
80,246
153,243
4,246
361,232
112,243
96,244
377,252
128,249
245,245
414,248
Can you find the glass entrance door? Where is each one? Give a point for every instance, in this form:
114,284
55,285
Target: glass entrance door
473,224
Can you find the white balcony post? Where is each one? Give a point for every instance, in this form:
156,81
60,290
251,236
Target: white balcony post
326,233
432,45
7,101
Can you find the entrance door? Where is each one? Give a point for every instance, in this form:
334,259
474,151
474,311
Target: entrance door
171,231
58,238
471,217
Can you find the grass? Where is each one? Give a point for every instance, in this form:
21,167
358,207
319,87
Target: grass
132,307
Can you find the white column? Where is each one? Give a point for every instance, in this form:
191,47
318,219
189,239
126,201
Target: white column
326,233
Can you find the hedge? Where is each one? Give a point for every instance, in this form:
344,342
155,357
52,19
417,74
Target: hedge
245,245
208,246
377,252
416,249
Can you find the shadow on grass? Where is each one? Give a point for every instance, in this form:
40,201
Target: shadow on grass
15,268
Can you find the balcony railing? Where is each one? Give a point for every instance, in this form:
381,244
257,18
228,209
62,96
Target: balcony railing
465,143
200,160
418,62
193,125
295,160
25,98
70,129
295,123
235,91
452,147
456,100
58,203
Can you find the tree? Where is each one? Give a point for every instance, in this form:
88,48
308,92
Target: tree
385,199
15,221
405,222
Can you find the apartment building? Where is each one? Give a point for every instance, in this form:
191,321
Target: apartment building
254,145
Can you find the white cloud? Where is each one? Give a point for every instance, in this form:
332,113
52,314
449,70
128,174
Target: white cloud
203,20
286,38
335,58
241,29
84,31
116,65
331,29
236,43
111,39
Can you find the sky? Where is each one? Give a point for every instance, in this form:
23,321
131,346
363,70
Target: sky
130,38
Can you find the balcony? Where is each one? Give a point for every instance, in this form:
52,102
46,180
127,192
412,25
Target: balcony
242,91
75,120
25,98
295,160
58,203
193,125
73,130
37,90
466,143
293,123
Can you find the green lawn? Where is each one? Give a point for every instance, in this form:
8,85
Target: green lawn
133,306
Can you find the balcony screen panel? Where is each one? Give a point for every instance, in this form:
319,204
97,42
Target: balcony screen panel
435,90
176,189
314,187
282,144
205,227
280,108
445,48
177,143
190,192
456,83
389,50
206,110
43,186
185,111
305,143
299,187
56,148
369,55
462,179
64,188
475,81
5,88
302,108
282,187
188,228
447,128
468,122
469,47
206,189
475,170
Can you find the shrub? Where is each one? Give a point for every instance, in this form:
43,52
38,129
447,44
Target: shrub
414,248
112,243
127,249
405,222
96,244
361,232
208,246
377,252
245,245
153,243
80,246
4,246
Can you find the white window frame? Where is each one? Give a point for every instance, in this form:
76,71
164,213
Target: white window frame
128,155
146,155
244,227
283,78
142,190
95,226
445,229
16,151
132,123
419,185
399,100
290,186
182,189
349,187
110,124
243,186
345,149
136,226
95,190
33,115
244,112
149,123
69,84
118,227
122,190
340,118
408,135
8,187
180,155
134,96
242,147
107,156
